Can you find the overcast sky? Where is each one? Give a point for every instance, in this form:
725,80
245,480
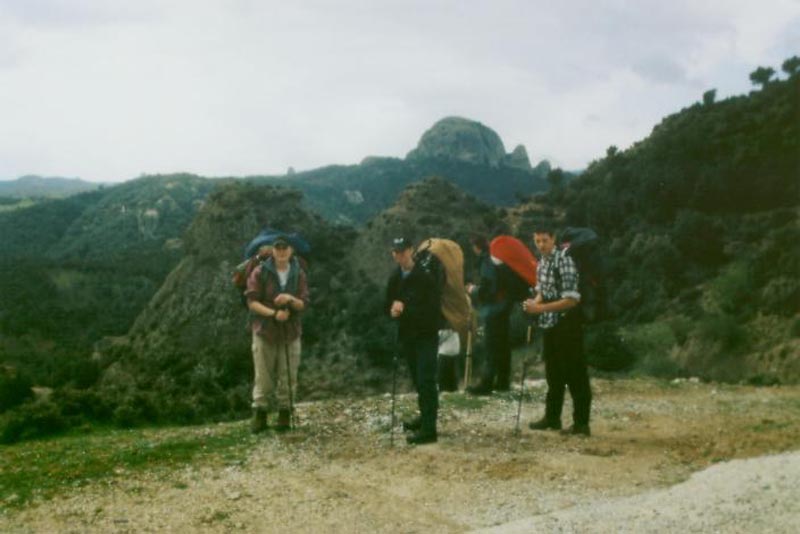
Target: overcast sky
107,90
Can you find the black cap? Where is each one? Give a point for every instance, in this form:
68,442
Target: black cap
401,243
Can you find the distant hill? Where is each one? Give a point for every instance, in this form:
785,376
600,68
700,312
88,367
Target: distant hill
76,269
464,152
45,187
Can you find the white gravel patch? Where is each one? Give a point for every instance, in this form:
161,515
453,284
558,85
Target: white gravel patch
756,495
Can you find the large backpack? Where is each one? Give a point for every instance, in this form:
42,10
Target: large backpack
242,272
268,235
582,245
444,260
517,273
253,259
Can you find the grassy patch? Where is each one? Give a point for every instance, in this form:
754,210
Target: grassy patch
23,203
46,467
767,425
463,402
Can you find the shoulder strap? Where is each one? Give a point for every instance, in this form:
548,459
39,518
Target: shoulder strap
293,282
557,270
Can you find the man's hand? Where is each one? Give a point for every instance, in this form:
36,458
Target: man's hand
282,316
469,288
283,299
532,306
397,309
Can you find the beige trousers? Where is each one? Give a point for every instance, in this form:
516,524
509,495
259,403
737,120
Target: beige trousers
270,390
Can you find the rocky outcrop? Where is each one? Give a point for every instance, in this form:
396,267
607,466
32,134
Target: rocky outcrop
518,158
459,139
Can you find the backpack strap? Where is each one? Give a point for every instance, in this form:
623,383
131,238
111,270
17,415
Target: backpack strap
293,281
557,271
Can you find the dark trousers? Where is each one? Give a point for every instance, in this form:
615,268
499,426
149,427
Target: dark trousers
420,351
498,350
565,366
449,367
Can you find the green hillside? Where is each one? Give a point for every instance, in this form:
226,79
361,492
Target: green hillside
701,224
44,187
77,269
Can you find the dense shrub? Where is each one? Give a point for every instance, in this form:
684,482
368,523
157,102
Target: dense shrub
605,349
724,330
652,345
31,420
15,388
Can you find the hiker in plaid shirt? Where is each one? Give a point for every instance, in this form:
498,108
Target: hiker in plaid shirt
557,303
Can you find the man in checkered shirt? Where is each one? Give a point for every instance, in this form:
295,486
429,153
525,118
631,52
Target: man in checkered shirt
557,303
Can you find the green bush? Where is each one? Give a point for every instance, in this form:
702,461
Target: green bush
605,349
81,405
31,420
795,328
681,327
15,388
782,295
135,410
724,330
731,292
652,345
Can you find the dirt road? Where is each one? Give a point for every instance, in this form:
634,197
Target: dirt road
336,472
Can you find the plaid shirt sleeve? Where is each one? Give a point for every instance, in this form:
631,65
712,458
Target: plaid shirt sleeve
569,278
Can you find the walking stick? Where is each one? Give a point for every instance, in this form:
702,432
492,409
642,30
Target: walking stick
468,362
522,380
394,386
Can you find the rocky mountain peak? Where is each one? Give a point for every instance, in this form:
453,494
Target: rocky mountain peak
465,140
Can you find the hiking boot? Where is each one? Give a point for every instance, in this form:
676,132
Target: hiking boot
284,420
422,437
577,430
412,424
259,421
544,424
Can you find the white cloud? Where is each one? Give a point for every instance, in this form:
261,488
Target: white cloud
107,90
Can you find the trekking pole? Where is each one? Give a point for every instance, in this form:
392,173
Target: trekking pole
522,380
394,388
288,377
468,362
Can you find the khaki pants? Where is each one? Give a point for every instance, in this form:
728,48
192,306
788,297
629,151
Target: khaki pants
270,390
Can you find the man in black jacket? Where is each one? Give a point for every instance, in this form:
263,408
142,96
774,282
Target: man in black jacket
413,299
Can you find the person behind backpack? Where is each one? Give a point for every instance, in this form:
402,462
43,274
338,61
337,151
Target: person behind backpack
449,353
413,299
557,303
494,311
277,294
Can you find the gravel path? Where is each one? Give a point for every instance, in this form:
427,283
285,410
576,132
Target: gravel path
753,495
645,469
